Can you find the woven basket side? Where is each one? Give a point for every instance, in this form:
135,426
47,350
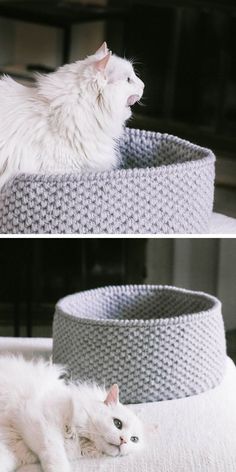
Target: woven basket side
162,359
150,203
175,198
149,363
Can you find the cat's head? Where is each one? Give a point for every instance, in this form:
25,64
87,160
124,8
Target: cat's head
113,427
103,82
116,79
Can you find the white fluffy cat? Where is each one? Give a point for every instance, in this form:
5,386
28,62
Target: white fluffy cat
71,120
44,420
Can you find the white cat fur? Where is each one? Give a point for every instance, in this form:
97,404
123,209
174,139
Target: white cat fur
44,420
71,120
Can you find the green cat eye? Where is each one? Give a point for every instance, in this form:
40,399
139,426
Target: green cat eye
134,439
117,423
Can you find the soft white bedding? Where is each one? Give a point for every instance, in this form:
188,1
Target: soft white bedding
195,434
221,224
29,347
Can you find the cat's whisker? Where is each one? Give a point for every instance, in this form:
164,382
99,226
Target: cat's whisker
135,61
141,103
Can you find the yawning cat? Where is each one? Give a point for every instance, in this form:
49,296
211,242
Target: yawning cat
71,120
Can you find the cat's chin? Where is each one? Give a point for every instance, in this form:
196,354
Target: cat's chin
112,450
117,450
128,112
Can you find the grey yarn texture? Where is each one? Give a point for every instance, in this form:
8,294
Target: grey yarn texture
156,342
164,185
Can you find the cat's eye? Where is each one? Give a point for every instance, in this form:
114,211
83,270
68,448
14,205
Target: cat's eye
117,423
134,439
129,80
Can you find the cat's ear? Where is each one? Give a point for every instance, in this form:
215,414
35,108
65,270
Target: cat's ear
102,63
103,49
112,395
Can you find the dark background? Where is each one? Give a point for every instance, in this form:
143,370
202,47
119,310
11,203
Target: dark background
36,273
188,62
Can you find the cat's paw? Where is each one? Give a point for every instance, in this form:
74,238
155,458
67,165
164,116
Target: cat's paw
88,448
28,458
70,432
23,454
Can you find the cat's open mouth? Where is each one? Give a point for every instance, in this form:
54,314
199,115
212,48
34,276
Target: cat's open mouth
132,100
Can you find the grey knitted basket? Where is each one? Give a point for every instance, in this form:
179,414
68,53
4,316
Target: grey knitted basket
164,185
156,342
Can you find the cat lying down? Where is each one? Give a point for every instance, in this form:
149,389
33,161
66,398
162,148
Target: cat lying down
43,419
70,120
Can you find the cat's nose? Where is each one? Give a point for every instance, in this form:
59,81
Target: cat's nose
122,440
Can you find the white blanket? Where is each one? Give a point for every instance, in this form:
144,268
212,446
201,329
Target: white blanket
29,347
221,224
195,434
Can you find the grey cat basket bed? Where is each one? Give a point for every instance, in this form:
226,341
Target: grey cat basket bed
164,185
156,342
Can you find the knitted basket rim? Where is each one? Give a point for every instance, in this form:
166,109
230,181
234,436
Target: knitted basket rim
62,305
207,157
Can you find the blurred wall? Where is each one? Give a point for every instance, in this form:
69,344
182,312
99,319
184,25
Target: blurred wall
37,44
86,39
24,43
7,41
199,264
